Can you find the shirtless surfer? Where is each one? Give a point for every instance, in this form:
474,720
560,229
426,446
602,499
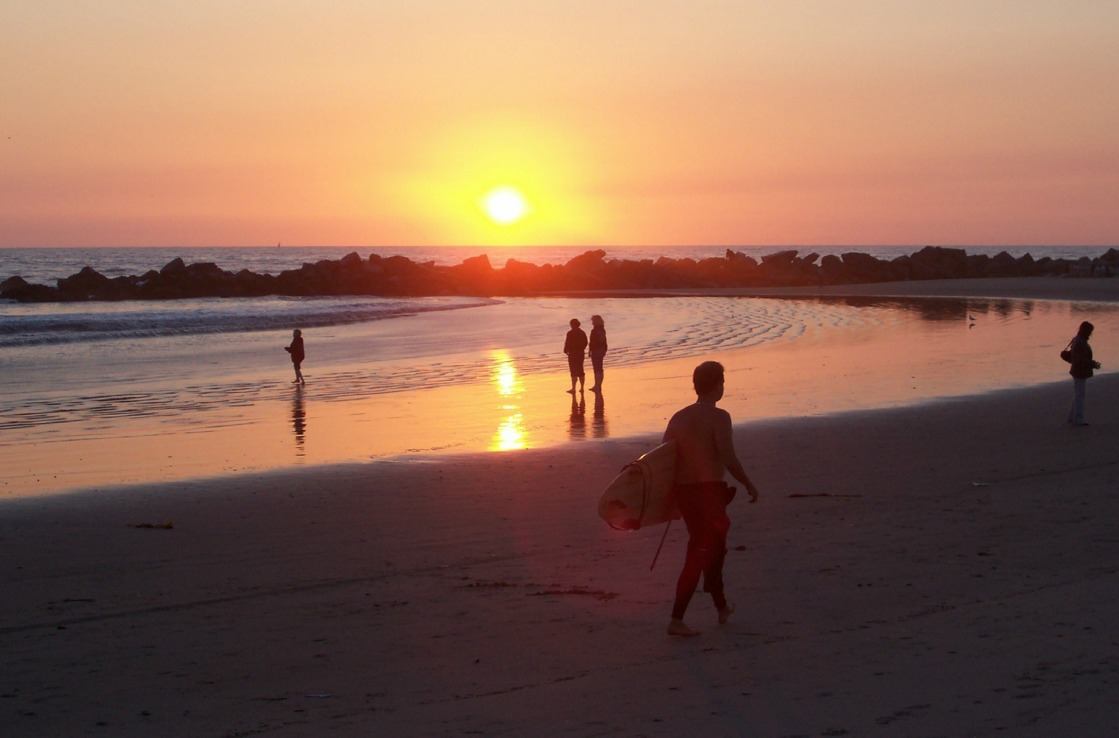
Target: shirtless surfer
704,451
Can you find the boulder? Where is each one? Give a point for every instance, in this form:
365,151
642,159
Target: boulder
82,285
859,267
937,262
474,276
587,262
1002,264
1110,257
351,261
28,292
12,283
1082,267
831,268
174,266
780,258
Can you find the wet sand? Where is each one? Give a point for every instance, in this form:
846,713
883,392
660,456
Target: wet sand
943,569
1039,288
492,378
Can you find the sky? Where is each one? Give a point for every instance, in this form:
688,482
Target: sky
387,122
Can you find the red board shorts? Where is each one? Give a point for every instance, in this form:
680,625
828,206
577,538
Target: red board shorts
704,509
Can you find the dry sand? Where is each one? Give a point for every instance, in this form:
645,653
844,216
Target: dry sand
949,569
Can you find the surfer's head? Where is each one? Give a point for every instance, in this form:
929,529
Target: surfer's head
575,323
297,333
1086,329
708,378
596,320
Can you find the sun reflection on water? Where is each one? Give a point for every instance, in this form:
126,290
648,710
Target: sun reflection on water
510,432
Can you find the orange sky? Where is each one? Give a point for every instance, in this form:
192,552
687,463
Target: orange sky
127,122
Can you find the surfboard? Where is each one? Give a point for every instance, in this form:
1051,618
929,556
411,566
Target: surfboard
641,495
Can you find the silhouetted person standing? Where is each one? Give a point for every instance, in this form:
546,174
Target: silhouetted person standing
574,346
1081,370
598,349
296,351
704,451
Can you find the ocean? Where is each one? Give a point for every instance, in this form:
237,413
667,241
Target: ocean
99,394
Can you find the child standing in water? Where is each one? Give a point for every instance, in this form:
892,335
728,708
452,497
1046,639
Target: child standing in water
296,351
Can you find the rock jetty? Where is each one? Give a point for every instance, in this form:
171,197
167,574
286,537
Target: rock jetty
400,276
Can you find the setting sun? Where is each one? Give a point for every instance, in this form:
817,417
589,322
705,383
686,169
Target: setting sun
505,205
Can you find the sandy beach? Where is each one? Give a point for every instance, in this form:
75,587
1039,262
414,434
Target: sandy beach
943,569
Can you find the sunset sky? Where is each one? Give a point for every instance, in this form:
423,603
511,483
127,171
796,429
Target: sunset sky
388,122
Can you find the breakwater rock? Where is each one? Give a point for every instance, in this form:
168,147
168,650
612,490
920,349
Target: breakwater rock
400,276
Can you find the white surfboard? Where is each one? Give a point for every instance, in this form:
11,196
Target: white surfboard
642,494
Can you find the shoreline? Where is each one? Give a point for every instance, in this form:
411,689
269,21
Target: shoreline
628,447
888,351
956,579
1071,289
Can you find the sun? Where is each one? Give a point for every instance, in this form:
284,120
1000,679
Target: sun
505,205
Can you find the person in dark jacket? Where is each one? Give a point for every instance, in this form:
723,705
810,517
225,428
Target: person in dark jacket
598,349
574,346
296,351
1081,369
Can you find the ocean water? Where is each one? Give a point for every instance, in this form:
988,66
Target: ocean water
49,324
80,362
43,266
95,394
102,394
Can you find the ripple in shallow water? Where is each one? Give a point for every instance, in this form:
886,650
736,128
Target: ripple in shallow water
640,331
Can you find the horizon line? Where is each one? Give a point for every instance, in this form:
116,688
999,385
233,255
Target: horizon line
588,247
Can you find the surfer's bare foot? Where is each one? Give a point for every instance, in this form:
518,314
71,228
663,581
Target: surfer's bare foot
570,391
725,613
677,628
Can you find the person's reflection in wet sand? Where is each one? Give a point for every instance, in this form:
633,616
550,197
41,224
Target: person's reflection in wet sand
298,419
578,417
598,425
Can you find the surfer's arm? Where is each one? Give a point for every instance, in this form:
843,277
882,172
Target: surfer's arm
669,435
724,444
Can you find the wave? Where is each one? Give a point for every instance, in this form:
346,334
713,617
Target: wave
104,322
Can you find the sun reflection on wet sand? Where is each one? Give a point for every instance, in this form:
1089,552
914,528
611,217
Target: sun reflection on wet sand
510,388
899,353
299,420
